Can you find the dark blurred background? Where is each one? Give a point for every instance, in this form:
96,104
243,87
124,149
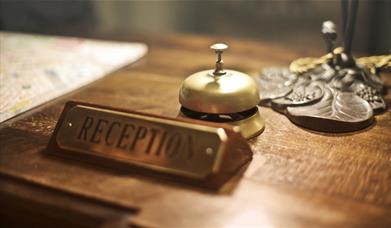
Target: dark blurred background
296,23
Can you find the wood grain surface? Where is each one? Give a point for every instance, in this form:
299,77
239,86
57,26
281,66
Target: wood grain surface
296,178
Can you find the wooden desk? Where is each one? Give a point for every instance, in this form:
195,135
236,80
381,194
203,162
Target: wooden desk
296,177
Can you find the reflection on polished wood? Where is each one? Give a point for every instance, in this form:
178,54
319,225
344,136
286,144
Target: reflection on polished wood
296,178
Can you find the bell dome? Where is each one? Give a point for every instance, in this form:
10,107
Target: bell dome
228,93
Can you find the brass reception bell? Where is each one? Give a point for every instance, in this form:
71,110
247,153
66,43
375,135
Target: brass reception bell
224,96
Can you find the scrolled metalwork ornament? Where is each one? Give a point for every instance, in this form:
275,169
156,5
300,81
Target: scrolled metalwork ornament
324,98
333,93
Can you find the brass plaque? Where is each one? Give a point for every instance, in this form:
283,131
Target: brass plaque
154,143
186,150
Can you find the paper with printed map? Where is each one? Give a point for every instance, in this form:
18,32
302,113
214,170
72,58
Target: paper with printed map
35,69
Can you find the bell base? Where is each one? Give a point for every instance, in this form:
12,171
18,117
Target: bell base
250,122
251,126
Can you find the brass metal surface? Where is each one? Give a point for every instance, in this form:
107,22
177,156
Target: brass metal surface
221,95
251,126
373,63
303,65
219,91
376,63
163,145
229,93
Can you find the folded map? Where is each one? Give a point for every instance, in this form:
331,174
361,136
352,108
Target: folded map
35,69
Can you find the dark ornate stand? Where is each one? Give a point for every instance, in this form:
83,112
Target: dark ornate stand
325,98
333,93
